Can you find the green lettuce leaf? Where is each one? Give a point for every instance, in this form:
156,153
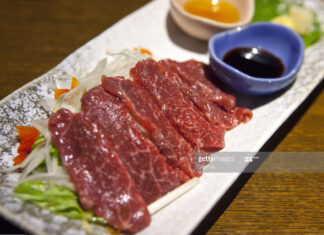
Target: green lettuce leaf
55,198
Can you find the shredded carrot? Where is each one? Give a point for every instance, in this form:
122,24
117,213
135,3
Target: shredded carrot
143,50
74,83
27,132
27,136
20,158
58,92
26,145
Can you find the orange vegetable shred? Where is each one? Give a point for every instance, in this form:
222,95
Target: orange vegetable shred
59,92
20,158
26,145
74,83
27,132
143,51
27,136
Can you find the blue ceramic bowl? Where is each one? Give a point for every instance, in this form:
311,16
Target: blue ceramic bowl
277,39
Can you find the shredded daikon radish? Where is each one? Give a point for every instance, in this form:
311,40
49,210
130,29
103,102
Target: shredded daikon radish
73,97
54,163
61,170
171,196
37,155
116,64
13,168
60,179
42,126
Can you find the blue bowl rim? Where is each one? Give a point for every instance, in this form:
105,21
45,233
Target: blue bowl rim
288,76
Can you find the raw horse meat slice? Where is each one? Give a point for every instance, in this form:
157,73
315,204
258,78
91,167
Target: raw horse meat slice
143,107
153,177
211,111
194,73
180,110
202,103
101,180
243,114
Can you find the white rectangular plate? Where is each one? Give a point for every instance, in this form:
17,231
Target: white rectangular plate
150,27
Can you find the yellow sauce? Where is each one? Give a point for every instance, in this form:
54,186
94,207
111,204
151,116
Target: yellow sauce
218,10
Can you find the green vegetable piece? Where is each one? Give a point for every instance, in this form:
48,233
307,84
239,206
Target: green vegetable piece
55,198
40,139
315,35
55,153
266,10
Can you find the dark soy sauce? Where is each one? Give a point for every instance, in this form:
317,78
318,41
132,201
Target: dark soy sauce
255,61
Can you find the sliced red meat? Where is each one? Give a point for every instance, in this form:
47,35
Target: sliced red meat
153,177
101,180
242,114
211,111
195,74
143,107
181,112
202,103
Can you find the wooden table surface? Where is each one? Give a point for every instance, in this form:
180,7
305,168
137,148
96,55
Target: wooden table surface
36,35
